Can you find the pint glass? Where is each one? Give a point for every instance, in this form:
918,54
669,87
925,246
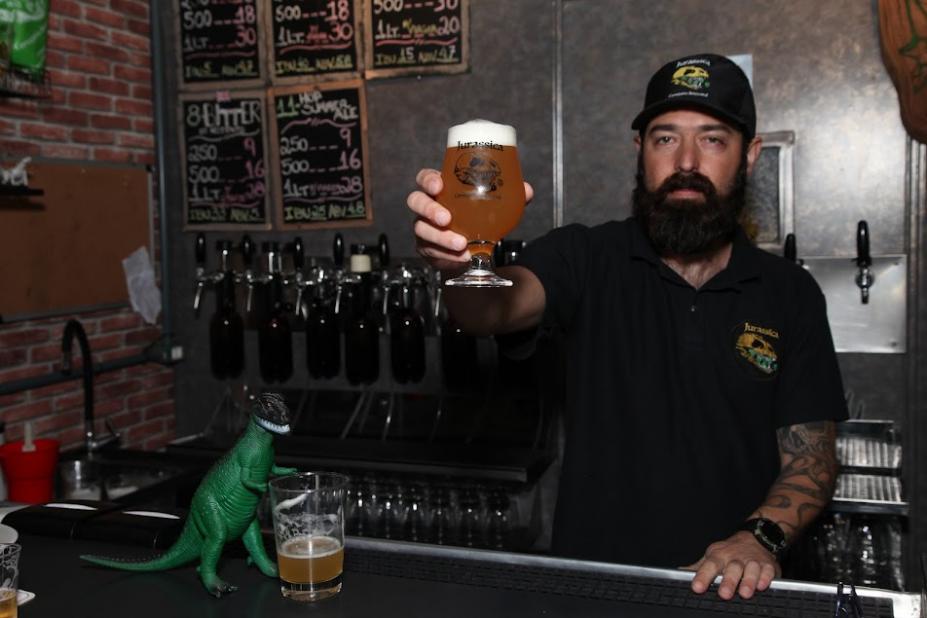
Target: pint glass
484,191
9,579
308,514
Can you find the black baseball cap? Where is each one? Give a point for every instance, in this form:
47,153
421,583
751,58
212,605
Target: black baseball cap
705,82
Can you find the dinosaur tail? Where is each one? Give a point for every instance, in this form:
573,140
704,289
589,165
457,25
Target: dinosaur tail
185,549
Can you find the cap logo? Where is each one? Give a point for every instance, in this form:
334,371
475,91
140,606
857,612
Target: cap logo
691,77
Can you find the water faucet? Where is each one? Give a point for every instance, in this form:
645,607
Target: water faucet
74,329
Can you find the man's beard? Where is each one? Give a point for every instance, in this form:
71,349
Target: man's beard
689,227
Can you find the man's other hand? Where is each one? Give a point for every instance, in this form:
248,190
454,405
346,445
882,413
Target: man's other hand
743,564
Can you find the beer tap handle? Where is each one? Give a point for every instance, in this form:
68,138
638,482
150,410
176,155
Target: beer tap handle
790,252
498,255
247,258
338,290
864,278
200,284
199,251
338,251
299,262
863,259
199,254
383,250
299,254
247,251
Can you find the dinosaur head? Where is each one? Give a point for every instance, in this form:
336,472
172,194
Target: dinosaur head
270,412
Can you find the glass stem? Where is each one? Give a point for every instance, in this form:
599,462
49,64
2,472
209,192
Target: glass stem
481,255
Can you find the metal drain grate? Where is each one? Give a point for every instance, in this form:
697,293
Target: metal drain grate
865,452
869,487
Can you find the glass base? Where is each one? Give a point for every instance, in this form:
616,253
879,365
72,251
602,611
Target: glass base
308,593
480,274
477,278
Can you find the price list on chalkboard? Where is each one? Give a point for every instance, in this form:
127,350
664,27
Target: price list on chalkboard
314,37
224,161
219,41
417,36
320,137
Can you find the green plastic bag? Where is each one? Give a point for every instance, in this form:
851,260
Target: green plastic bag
30,34
7,21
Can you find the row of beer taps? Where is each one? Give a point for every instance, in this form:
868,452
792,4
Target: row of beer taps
315,278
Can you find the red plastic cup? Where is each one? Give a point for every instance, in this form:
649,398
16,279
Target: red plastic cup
30,475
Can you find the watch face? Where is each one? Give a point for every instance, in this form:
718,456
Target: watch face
771,532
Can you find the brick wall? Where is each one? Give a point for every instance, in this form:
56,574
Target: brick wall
100,110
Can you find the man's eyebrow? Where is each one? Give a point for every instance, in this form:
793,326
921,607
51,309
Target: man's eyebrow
720,126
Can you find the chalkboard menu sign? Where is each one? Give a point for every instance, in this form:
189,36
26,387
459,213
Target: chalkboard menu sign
417,36
219,42
224,161
320,155
314,38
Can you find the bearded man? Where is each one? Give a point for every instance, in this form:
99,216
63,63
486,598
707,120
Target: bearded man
702,382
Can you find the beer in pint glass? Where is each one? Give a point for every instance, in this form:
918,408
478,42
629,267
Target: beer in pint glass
308,514
484,191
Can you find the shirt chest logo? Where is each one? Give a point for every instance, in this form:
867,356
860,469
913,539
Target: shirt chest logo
756,347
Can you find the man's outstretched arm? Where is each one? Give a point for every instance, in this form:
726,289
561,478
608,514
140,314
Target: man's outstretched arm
802,490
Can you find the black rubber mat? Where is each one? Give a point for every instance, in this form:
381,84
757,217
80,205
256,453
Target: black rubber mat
651,596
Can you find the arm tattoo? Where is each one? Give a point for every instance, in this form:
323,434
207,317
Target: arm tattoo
806,478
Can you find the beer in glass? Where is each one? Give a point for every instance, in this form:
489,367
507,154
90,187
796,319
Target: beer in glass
308,515
484,191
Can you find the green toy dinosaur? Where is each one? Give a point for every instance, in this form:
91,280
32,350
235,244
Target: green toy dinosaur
224,505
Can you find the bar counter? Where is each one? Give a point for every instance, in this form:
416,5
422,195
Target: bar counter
402,580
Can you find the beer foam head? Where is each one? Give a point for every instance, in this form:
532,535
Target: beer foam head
481,131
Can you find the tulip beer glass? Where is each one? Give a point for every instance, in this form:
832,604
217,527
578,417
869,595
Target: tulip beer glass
308,514
484,192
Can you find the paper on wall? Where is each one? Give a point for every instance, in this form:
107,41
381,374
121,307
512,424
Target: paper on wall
140,280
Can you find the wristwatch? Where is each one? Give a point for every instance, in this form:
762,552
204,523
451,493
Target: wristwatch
767,533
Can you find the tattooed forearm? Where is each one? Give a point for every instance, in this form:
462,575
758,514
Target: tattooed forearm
806,478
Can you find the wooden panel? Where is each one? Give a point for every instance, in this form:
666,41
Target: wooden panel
64,250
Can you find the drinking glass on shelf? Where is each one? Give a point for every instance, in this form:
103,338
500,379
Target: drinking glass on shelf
484,191
308,515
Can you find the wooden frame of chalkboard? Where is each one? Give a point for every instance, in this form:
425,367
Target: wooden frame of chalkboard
320,155
219,44
223,187
323,41
415,37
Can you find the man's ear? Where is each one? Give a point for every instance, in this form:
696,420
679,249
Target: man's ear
637,142
753,152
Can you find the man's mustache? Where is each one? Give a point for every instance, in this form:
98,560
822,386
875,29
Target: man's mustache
692,181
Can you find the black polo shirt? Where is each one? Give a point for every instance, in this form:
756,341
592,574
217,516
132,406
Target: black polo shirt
674,394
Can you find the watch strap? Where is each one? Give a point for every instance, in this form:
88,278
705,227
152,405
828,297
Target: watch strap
767,533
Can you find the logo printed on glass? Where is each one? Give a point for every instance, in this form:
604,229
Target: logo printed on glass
479,171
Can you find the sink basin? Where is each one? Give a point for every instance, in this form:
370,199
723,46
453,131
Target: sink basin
113,478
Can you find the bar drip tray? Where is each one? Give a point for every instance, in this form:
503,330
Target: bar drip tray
645,596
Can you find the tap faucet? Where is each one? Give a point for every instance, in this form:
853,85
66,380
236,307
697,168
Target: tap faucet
790,250
864,277
71,330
